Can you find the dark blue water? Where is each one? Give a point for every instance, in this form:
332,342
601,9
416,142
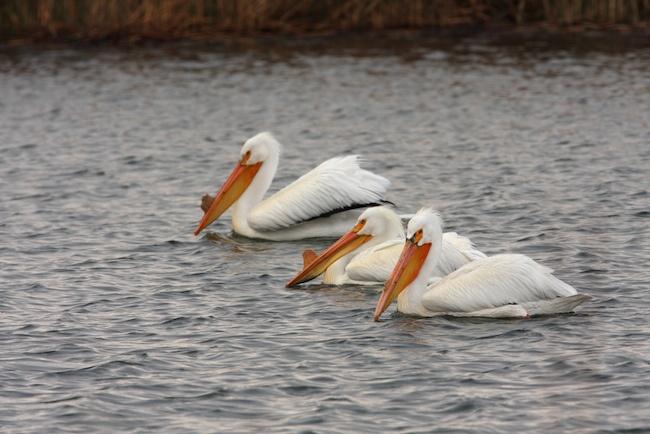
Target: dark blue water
114,317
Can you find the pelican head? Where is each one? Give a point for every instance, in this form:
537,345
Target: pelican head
378,224
260,148
423,231
254,153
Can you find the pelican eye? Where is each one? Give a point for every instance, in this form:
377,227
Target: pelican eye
246,157
417,237
360,224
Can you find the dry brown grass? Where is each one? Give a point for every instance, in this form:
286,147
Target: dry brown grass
98,19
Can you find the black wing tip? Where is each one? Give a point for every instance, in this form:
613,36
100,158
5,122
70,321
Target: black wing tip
348,208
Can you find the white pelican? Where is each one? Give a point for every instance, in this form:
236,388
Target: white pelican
501,286
368,253
321,203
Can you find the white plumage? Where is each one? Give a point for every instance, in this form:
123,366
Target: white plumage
493,282
335,184
321,203
373,262
507,285
372,265
376,263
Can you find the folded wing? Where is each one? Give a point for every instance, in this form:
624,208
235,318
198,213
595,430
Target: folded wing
375,264
464,245
337,185
495,281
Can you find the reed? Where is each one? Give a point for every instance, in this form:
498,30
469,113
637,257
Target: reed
98,19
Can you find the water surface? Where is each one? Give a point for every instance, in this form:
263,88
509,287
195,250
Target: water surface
114,317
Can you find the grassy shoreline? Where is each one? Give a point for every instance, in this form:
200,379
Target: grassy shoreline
96,20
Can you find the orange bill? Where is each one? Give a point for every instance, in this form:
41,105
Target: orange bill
407,269
314,267
236,184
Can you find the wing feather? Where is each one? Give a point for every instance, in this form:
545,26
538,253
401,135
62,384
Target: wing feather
375,264
456,252
495,281
464,245
336,185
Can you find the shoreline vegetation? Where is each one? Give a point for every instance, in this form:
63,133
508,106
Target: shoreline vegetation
133,20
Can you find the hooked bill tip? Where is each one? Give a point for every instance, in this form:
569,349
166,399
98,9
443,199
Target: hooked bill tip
199,229
293,282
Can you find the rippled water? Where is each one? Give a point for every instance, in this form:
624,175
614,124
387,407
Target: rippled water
114,317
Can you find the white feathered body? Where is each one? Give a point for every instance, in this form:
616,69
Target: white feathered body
375,264
296,211
507,285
